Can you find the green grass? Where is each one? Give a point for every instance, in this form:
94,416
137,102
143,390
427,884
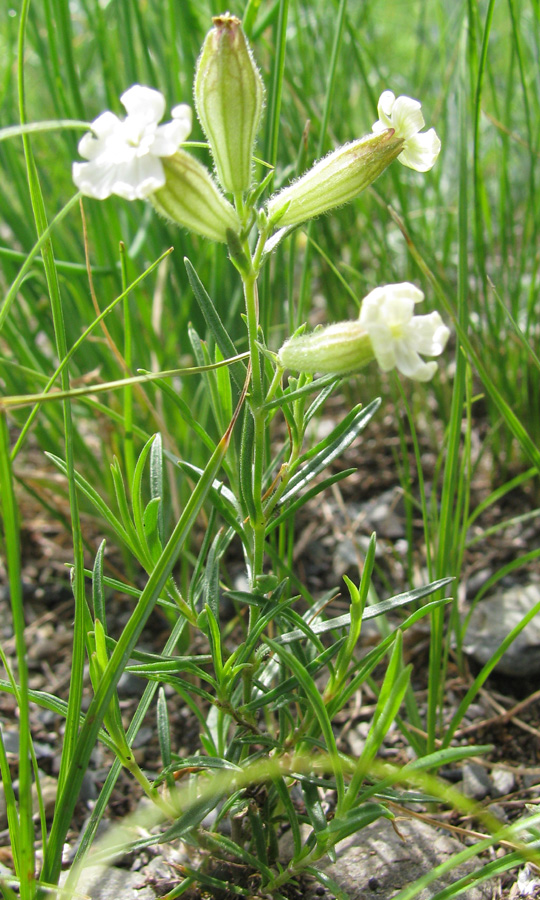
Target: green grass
91,296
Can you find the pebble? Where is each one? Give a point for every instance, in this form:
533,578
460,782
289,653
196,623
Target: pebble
11,741
377,862
491,622
131,685
476,781
385,514
49,789
504,782
498,811
101,883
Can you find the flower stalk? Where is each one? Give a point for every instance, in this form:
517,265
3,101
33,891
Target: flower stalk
138,158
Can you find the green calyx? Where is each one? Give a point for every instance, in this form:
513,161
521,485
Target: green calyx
229,97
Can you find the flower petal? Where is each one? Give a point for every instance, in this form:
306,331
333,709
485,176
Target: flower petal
95,179
384,108
139,178
421,151
429,334
168,138
407,118
133,180
184,114
144,102
409,363
383,345
371,306
105,124
393,304
91,144
404,116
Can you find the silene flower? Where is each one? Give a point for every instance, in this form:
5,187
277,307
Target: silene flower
404,116
397,336
124,155
386,330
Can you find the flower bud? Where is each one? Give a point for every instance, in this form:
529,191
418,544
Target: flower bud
191,199
334,180
229,97
336,349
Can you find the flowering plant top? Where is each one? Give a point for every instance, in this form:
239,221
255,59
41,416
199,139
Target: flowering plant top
125,154
397,336
403,115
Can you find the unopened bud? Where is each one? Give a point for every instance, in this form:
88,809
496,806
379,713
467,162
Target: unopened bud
229,97
334,180
191,198
337,349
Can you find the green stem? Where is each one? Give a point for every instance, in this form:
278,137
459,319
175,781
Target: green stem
257,400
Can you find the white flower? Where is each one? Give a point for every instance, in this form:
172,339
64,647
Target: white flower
403,114
398,337
124,154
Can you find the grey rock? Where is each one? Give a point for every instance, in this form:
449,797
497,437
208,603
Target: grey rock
475,712
385,514
504,782
88,790
490,624
498,811
49,789
70,850
11,741
112,883
378,863
131,685
475,582
476,782
357,737
143,737
349,553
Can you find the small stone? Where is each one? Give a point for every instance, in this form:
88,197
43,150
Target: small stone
88,791
476,782
475,712
131,685
49,789
378,854
498,811
143,737
357,737
491,622
504,782
530,780
11,742
348,554
385,514
102,883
